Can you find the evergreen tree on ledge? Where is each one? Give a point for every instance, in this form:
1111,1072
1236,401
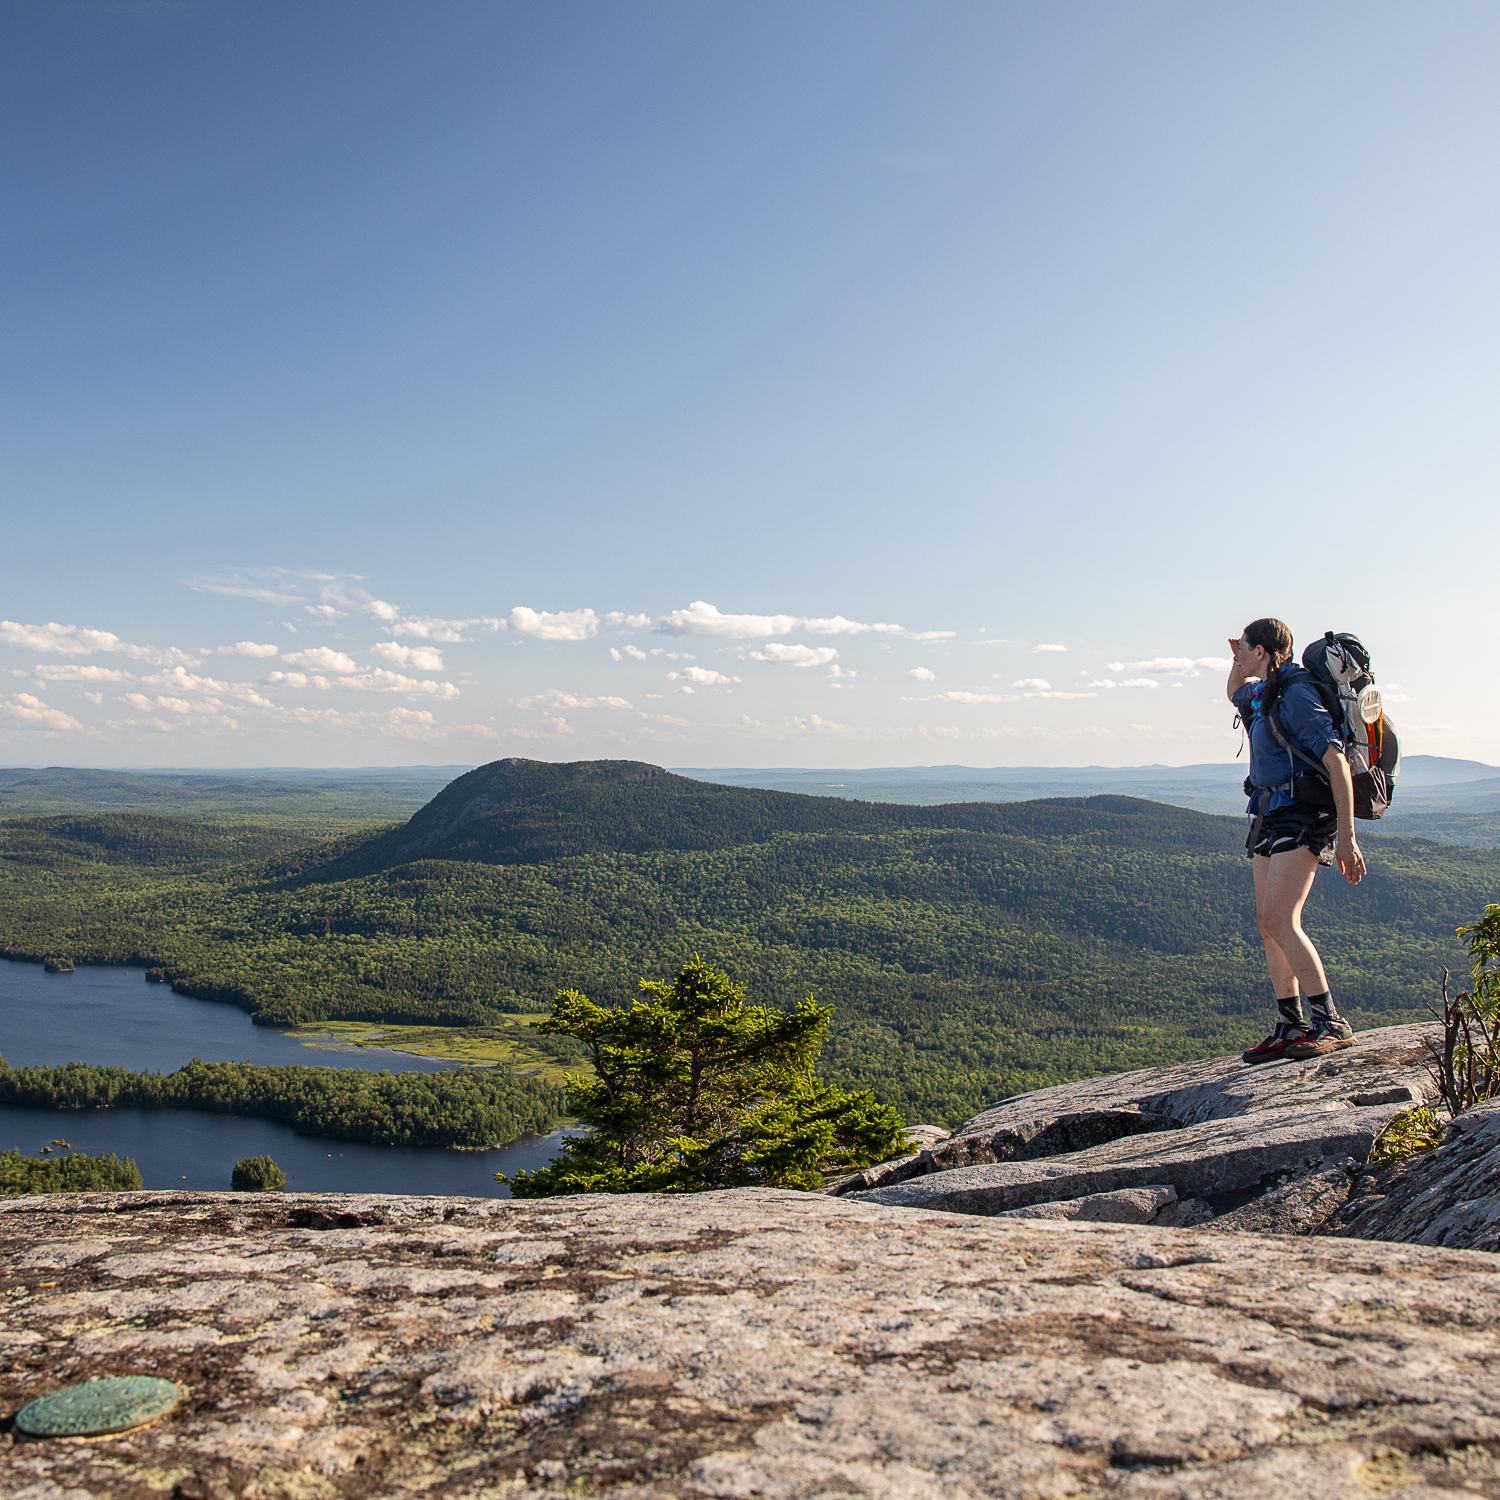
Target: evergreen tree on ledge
694,1089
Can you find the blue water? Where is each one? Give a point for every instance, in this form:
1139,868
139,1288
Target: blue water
113,1017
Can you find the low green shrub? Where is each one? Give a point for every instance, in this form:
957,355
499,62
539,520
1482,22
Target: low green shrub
1419,1129
257,1174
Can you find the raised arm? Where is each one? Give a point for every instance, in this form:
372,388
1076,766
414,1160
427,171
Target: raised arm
1249,662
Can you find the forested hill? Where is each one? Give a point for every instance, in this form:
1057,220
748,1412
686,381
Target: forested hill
969,950
529,812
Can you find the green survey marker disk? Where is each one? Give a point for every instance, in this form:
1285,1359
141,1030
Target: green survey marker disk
98,1407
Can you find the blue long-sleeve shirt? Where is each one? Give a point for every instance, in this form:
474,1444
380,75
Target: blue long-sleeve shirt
1304,720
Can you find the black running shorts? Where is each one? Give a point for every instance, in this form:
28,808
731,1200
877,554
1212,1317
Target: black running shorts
1296,827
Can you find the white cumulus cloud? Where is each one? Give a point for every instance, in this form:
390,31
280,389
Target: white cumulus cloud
67,640
382,681
422,658
795,656
1187,666
431,628
565,625
1129,682
322,659
185,682
963,697
703,619
923,674
31,711
71,673
559,698
838,625
248,648
82,640
1039,687
288,679
630,622
705,676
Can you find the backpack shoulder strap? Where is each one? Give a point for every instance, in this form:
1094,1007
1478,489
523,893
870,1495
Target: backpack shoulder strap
1287,743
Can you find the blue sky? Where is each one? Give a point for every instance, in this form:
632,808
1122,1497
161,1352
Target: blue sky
917,383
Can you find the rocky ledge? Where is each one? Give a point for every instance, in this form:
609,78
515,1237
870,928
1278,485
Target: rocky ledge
736,1344
1276,1147
1186,1282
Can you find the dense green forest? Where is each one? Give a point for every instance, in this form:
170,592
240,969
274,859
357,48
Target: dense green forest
461,1107
970,951
66,1174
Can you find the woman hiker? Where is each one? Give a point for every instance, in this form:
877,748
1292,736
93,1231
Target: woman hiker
1290,839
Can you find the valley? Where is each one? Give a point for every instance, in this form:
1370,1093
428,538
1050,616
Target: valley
970,951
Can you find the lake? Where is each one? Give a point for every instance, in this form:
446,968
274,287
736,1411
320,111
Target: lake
113,1017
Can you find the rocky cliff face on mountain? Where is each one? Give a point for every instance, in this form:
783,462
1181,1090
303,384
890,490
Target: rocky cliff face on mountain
1178,1283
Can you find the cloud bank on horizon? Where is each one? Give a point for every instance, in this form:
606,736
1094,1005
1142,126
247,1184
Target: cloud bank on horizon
566,682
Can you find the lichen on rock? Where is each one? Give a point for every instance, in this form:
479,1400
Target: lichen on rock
738,1343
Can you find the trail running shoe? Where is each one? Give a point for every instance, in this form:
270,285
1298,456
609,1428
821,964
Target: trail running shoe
1274,1048
1327,1036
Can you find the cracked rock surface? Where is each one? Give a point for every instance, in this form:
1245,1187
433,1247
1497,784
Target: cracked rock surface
1450,1196
1210,1130
736,1344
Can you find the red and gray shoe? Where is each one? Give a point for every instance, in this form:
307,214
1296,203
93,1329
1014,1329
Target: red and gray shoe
1275,1048
1325,1036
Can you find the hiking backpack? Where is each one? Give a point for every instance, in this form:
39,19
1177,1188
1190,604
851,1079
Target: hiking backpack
1338,666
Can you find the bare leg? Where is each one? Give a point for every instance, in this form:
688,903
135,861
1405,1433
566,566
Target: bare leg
1279,896
1283,980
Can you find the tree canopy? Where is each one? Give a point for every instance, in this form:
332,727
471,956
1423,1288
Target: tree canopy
457,1107
1000,949
78,1173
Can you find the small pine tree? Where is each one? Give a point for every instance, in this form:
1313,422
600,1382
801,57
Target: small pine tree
694,1089
257,1174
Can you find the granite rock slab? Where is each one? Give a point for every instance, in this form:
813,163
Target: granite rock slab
1386,1068
1133,1206
1389,1062
1449,1196
736,1344
1301,1206
1209,1160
